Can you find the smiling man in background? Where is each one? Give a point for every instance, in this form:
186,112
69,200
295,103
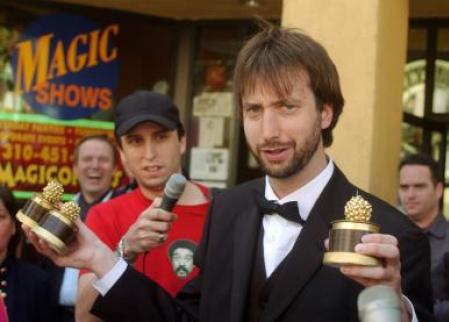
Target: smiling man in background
94,166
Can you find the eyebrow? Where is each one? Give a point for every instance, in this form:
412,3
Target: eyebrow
162,131
278,102
128,135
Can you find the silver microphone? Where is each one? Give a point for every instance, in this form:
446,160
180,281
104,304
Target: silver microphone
173,190
379,303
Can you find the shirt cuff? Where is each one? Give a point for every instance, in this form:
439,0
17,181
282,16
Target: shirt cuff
410,309
104,284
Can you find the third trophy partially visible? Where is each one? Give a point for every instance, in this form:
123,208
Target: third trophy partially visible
40,204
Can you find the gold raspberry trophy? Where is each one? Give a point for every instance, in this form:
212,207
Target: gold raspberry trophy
40,204
58,227
346,234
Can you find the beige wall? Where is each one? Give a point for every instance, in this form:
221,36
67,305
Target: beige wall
367,41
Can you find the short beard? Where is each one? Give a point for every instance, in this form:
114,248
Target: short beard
182,269
300,158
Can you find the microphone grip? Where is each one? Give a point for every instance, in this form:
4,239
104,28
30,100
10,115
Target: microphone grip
168,203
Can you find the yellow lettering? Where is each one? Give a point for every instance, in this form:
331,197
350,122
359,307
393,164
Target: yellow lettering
50,173
65,175
93,48
57,92
42,175
20,175
31,64
76,61
118,174
104,41
58,62
31,174
6,175
89,96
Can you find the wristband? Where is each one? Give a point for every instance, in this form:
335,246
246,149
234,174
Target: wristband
120,252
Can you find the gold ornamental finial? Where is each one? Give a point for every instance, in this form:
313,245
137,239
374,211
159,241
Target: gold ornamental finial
70,210
358,209
53,192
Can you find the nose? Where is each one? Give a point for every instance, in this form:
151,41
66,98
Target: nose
270,125
410,193
95,164
150,152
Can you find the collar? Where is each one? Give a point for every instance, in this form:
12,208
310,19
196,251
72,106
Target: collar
438,227
141,196
79,198
307,195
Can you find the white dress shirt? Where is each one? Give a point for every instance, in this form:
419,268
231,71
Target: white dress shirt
280,234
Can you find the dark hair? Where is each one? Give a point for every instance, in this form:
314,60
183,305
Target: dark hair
424,160
181,243
276,55
9,201
99,137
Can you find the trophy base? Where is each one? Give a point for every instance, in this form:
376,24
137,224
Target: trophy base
54,242
347,258
26,220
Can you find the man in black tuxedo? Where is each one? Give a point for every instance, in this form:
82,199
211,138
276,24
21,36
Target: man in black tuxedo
256,265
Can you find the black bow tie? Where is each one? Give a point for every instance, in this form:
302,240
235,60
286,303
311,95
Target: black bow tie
288,210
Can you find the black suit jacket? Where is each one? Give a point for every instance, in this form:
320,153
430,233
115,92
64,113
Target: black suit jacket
27,292
306,290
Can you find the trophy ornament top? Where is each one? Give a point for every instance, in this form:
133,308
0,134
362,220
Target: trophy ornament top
53,192
70,210
358,209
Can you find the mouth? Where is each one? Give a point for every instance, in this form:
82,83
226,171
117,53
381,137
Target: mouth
152,169
410,205
275,154
94,177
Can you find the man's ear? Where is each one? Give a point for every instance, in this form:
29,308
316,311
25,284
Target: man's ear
327,114
75,169
122,156
439,189
183,144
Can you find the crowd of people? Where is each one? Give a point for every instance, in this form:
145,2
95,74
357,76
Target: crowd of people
235,256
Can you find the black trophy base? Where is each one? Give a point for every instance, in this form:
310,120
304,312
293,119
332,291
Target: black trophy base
26,220
33,211
56,230
344,236
53,241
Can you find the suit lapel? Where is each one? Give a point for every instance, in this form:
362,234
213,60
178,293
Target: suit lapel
245,239
307,254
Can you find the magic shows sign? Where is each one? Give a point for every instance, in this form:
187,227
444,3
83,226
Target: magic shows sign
66,67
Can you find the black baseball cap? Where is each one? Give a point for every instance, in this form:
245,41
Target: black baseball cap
144,105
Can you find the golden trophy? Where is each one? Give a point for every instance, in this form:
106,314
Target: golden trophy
58,227
40,204
346,234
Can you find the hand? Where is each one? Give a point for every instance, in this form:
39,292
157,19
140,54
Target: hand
86,251
150,230
385,248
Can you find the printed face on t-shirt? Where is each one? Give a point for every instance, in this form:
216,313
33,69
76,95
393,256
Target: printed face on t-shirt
182,262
